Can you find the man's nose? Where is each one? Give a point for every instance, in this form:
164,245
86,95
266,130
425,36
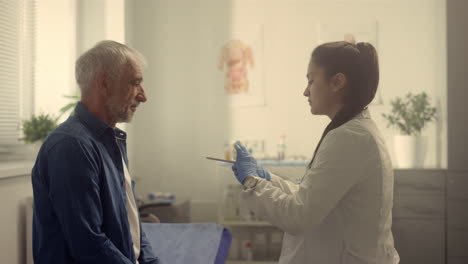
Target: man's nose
306,92
141,96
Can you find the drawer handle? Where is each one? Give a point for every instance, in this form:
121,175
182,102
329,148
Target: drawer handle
421,186
421,210
457,198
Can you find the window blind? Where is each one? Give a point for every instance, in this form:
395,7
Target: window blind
17,46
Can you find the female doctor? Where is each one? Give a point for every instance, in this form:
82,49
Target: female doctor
341,211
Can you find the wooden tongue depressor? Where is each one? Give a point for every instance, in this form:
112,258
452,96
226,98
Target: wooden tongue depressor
222,160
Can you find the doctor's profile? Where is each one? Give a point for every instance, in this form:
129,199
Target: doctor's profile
341,210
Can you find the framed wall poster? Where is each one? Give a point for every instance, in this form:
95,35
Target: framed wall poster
352,31
240,63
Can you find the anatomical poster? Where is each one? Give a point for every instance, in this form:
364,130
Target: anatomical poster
240,62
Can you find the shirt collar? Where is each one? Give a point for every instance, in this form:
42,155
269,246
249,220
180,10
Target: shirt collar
120,134
96,125
364,114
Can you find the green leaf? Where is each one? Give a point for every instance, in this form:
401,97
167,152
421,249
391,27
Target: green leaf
70,106
411,114
37,128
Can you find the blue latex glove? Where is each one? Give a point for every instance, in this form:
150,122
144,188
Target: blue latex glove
246,165
261,172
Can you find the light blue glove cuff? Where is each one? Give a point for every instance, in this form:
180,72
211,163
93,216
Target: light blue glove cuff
242,174
262,173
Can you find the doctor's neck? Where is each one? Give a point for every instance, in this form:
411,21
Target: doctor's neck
333,110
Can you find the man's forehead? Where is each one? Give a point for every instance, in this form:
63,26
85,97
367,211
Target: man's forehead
132,68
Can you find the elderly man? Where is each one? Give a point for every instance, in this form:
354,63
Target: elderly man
84,205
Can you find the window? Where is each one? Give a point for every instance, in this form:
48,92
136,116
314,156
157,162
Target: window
17,60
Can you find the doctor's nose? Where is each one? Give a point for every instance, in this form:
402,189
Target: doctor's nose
306,92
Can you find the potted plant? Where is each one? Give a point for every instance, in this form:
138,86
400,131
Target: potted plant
410,115
37,128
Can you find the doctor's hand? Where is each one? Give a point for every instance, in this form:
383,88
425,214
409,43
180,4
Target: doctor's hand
246,165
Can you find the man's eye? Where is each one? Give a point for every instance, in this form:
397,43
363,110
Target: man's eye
311,81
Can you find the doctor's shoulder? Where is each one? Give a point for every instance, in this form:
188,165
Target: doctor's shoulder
353,140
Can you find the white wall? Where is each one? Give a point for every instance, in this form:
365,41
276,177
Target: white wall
179,124
99,20
55,54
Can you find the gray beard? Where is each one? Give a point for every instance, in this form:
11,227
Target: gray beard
119,114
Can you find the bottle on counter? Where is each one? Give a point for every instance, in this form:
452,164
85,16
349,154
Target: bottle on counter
248,251
281,148
227,151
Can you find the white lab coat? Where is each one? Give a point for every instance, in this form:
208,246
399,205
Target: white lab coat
341,213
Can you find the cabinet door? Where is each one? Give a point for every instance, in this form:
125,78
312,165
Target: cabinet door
426,206
419,240
455,260
419,182
419,194
457,214
419,216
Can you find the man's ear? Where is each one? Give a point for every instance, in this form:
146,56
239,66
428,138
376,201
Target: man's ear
103,83
338,82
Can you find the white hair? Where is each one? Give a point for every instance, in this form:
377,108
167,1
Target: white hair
106,56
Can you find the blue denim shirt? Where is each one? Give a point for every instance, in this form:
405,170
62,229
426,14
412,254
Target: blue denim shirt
79,196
